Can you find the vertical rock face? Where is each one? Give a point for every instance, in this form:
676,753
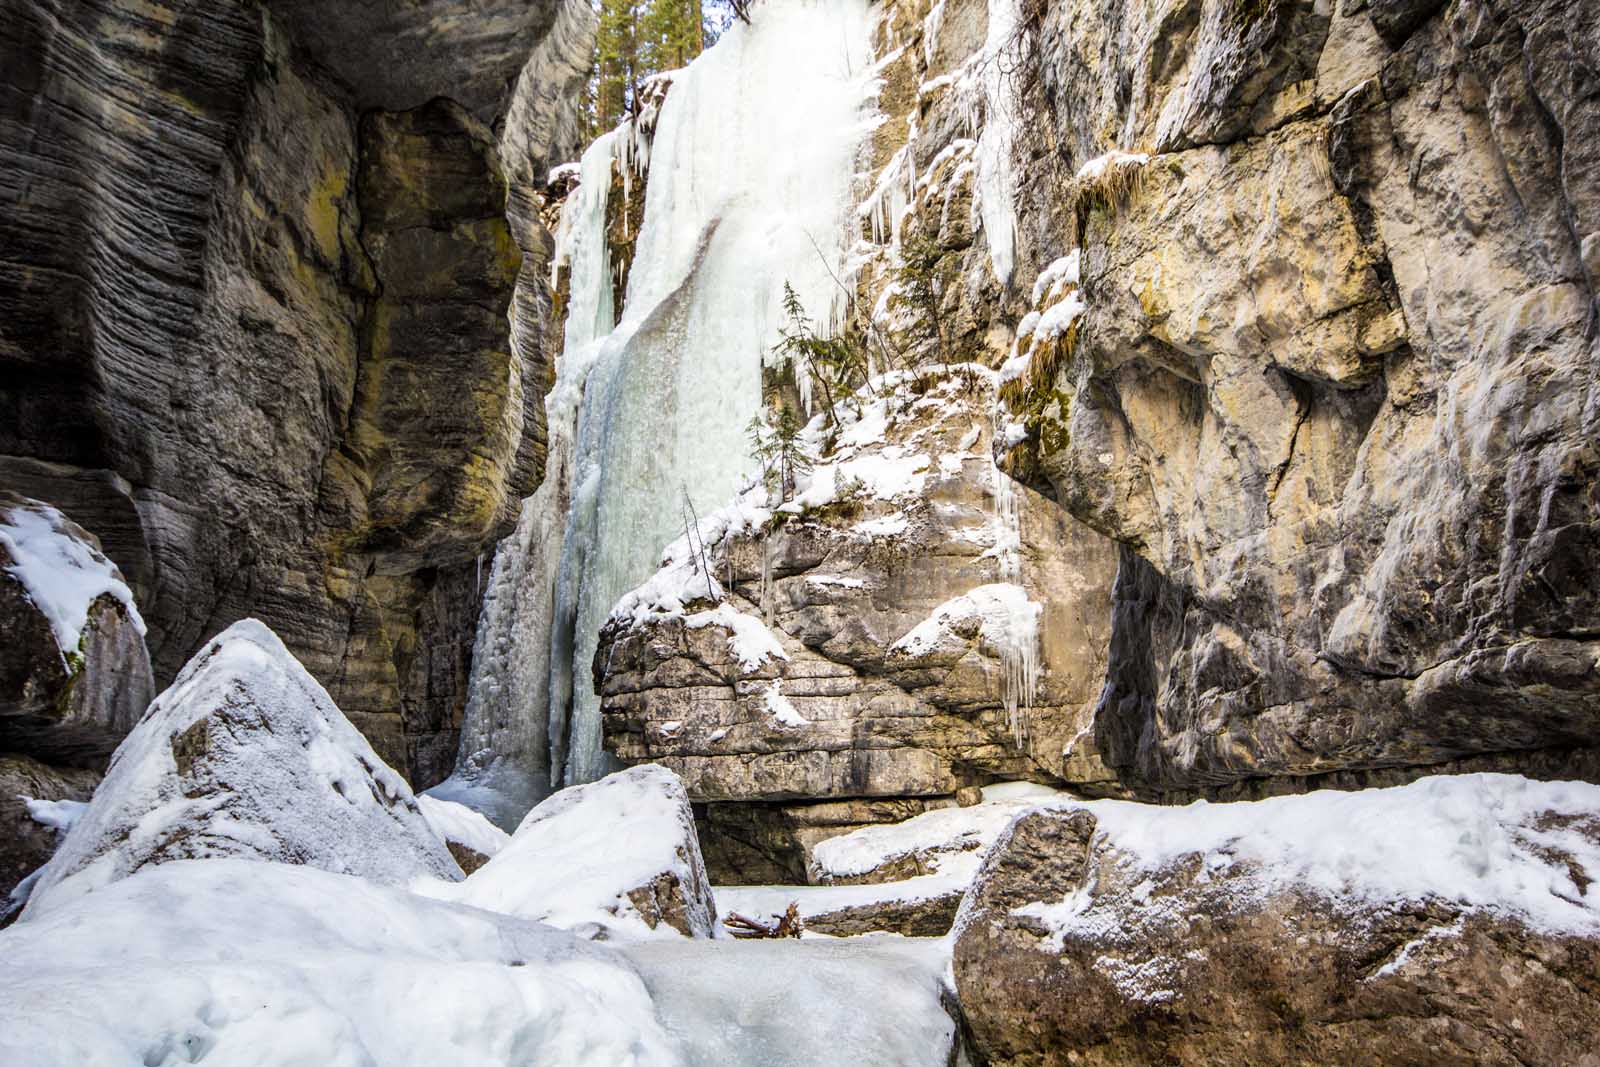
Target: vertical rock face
262,349
1335,383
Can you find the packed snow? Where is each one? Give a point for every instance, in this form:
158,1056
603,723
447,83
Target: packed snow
274,771
577,856
458,824
58,815
250,963
1493,843
62,574
683,578
1052,280
802,1003
1097,167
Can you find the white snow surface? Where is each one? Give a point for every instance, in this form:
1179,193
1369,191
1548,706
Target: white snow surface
1060,273
62,574
781,708
258,964
1481,842
457,823
284,777
1005,616
681,579
250,963
1097,166
856,1002
751,643
577,855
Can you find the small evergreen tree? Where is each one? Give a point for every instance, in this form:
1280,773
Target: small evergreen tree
776,443
838,367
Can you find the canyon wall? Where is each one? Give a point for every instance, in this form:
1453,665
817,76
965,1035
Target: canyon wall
273,301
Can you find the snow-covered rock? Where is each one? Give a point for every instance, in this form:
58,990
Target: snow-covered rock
617,858
471,838
36,803
245,755
74,673
247,963
1453,920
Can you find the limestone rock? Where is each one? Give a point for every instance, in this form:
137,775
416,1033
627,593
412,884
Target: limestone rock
1444,922
245,756
75,675
1333,384
882,667
26,844
613,859
203,365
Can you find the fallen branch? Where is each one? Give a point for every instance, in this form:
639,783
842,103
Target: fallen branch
789,924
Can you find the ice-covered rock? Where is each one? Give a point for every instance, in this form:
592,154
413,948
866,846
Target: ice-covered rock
75,674
1452,920
617,858
471,838
245,755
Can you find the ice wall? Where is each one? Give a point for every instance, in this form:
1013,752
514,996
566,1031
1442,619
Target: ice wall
750,173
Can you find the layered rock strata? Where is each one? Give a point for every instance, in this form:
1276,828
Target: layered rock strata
257,287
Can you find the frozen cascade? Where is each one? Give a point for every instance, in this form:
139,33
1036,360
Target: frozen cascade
503,768
750,172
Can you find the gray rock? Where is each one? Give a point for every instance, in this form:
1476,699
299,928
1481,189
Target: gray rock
202,363
1219,955
1334,388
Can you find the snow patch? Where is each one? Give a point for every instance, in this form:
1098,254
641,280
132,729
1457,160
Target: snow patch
62,574
751,643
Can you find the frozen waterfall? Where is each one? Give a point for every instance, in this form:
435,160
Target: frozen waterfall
749,186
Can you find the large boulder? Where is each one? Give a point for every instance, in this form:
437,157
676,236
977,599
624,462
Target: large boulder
617,858
245,755
75,675
1449,921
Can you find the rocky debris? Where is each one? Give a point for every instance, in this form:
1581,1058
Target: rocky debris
907,877
768,843
471,838
203,365
1352,455
75,674
915,907
1448,921
895,631
245,755
36,806
613,859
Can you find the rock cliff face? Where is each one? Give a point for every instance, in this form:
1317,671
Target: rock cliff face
256,288
1335,384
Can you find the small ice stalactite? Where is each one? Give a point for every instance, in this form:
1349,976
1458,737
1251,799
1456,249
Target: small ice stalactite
1019,652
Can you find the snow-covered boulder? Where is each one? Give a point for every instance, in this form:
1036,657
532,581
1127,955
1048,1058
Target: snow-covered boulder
617,858
1453,920
247,963
245,755
471,838
74,671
